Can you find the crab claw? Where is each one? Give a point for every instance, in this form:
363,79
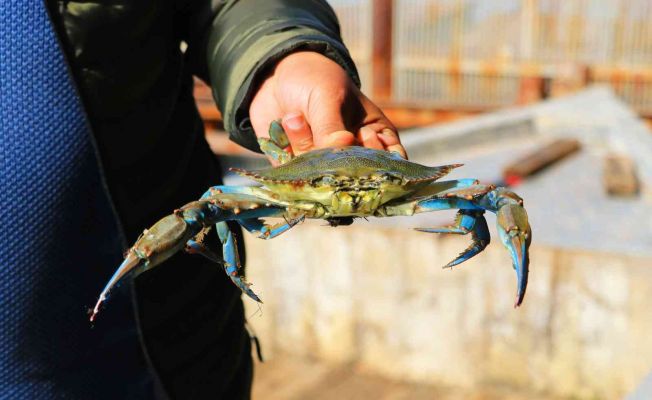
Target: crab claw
154,246
130,262
516,235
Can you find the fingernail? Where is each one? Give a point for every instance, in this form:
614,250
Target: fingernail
294,121
398,149
388,132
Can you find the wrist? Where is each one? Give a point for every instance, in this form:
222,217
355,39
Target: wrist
299,59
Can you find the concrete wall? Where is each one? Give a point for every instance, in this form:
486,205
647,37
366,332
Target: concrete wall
376,296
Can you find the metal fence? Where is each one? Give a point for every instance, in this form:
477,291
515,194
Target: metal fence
356,23
437,46
604,32
474,53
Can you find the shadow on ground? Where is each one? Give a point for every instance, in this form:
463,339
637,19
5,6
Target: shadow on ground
288,378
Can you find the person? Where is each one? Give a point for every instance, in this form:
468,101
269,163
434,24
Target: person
185,335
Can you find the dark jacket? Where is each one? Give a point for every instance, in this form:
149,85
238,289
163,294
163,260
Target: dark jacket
136,85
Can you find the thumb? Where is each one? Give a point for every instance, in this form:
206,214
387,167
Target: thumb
327,125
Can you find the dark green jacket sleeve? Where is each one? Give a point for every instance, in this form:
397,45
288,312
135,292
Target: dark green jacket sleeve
246,37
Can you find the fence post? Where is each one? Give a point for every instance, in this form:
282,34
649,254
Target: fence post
383,28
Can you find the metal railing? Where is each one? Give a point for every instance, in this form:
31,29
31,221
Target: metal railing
476,53
355,18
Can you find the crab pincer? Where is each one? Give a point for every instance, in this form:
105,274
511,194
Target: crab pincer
516,235
154,246
473,199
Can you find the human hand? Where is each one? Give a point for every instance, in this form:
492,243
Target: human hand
320,106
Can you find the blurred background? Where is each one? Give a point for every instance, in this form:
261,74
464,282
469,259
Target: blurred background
551,97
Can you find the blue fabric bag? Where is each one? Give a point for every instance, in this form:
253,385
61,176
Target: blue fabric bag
59,239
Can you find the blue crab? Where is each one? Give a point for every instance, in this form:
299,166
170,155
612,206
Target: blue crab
338,185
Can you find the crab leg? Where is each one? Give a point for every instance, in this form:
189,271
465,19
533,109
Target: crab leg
265,231
436,188
196,245
464,223
171,233
277,142
154,246
232,259
511,222
467,221
242,193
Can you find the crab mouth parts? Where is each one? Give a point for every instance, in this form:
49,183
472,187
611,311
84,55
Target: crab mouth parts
349,202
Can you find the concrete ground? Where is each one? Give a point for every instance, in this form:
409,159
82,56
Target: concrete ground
288,378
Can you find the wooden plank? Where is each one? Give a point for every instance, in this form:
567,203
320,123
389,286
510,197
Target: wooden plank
539,159
619,176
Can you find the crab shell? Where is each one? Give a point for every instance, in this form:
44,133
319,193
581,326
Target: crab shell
348,181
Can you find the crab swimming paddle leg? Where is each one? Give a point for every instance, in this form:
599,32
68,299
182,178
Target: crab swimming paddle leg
275,146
